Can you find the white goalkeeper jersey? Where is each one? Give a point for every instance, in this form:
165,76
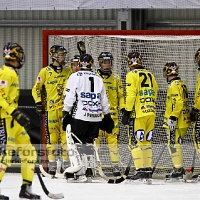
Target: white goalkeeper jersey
86,97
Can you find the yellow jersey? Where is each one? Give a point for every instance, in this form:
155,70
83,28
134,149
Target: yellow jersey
9,90
50,85
141,93
177,103
114,91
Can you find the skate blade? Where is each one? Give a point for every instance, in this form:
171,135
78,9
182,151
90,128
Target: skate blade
173,180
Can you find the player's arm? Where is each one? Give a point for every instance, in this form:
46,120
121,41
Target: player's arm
197,95
177,99
5,84
131,94
107,123
120,95
36,92
70,93
131,91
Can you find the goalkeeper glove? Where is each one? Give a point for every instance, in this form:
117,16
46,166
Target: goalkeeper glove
107,123
194,114
81,47
125,117
66,120
21,118
40,108
172,121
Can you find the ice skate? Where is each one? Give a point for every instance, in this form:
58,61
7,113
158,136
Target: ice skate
176,175
52,167
2,197
142,175
26,193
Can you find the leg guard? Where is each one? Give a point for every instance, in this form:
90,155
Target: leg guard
74,156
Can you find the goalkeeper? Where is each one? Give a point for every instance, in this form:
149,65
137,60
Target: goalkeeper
139,114
13,122
115,94
50,83
176,117
86,95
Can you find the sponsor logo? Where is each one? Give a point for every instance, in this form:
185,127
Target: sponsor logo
39,79
3,83
90,95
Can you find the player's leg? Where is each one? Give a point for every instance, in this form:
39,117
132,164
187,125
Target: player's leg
75,151
90,135
136,144
20,139
175,150
63,143
6,149
52,134
112,141
149,122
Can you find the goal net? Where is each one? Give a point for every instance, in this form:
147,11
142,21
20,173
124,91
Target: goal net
157,49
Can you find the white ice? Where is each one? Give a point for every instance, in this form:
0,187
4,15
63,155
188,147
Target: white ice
159,190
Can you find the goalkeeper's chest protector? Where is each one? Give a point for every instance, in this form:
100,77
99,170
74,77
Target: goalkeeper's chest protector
86,94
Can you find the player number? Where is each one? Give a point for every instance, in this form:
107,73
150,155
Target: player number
145,77
91,79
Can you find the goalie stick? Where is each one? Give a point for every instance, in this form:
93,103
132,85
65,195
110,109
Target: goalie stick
46,191
81,48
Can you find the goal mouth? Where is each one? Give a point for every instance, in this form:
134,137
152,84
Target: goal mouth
157,48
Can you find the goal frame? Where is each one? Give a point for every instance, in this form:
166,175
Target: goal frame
47,33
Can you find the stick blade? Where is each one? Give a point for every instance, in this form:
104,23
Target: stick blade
56,196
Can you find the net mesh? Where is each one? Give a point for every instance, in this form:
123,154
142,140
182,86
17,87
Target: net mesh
156,52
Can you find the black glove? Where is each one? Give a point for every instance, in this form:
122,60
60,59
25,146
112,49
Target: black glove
66,120
21,118
81,47
194,114
107,123
125,117
40,108
122,110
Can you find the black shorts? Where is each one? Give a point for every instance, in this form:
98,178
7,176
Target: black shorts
85,131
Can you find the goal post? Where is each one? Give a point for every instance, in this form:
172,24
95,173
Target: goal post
157,48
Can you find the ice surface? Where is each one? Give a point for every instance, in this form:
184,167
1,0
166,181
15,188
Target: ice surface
159,190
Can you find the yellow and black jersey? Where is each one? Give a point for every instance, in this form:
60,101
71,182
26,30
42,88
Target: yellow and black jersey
177,103
9,90
114,91
197,94
141,93
51,84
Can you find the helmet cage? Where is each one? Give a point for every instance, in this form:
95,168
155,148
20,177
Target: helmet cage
134,59
86,61
75,59
13,51
170,69
54,52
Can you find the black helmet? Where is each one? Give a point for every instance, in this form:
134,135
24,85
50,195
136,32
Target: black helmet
54,50
86,61
134,59
170,69
13,51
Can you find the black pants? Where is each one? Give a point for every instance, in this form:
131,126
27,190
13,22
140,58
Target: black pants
84,130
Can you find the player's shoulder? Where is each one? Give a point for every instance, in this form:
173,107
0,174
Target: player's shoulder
115,75
8,70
